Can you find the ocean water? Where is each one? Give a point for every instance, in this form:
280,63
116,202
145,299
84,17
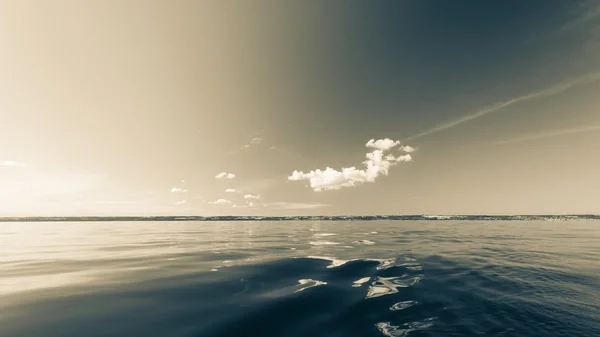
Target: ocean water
300,278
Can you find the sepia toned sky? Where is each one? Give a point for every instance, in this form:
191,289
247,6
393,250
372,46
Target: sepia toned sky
268,108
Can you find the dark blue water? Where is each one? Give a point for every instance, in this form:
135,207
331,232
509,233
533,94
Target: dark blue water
303,278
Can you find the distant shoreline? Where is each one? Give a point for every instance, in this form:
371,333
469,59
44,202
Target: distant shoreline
306,218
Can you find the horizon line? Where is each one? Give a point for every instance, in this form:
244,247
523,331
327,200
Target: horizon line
161,218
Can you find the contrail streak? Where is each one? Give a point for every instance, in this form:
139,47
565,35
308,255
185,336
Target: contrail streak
591,77
543,135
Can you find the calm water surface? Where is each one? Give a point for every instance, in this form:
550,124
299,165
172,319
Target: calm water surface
349,278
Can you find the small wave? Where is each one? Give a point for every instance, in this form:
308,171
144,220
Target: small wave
396,331
402,305
383,263
360,282
389,285
334,262
309,284
325,234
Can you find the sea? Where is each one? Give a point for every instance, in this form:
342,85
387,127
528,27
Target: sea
437,276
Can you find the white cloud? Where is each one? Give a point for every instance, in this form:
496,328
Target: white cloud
225,175
407,149
293,205
250,204
382,144
220,202
250,196
376,165
178,190
181,202
256,140
12,163
231,190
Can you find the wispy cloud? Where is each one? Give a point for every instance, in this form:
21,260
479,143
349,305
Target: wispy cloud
12,163
220,202
378,163
556,89
250,196
178,190
588,11
181,202
231,190
293,205
543,135
253,142
225,175
247,205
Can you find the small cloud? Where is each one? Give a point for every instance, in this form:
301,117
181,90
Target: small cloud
231,190
376,165
407,149
272,147
382,144
220,202
178,190
181,202
225,175
250,204
12,163
293,205
250,196
254,141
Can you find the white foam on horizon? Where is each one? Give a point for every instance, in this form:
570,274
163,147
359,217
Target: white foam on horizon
323,243
364,242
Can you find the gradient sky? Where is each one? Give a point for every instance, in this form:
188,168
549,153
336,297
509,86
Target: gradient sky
134,107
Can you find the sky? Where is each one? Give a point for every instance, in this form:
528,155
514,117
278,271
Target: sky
143,107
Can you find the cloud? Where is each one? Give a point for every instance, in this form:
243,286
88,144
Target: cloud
293,205
231,190
178,190
378,163
12,163
181,202
254,141
588,11
220,202
250,196
407,148
225,175
382,144
247,205
556,89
